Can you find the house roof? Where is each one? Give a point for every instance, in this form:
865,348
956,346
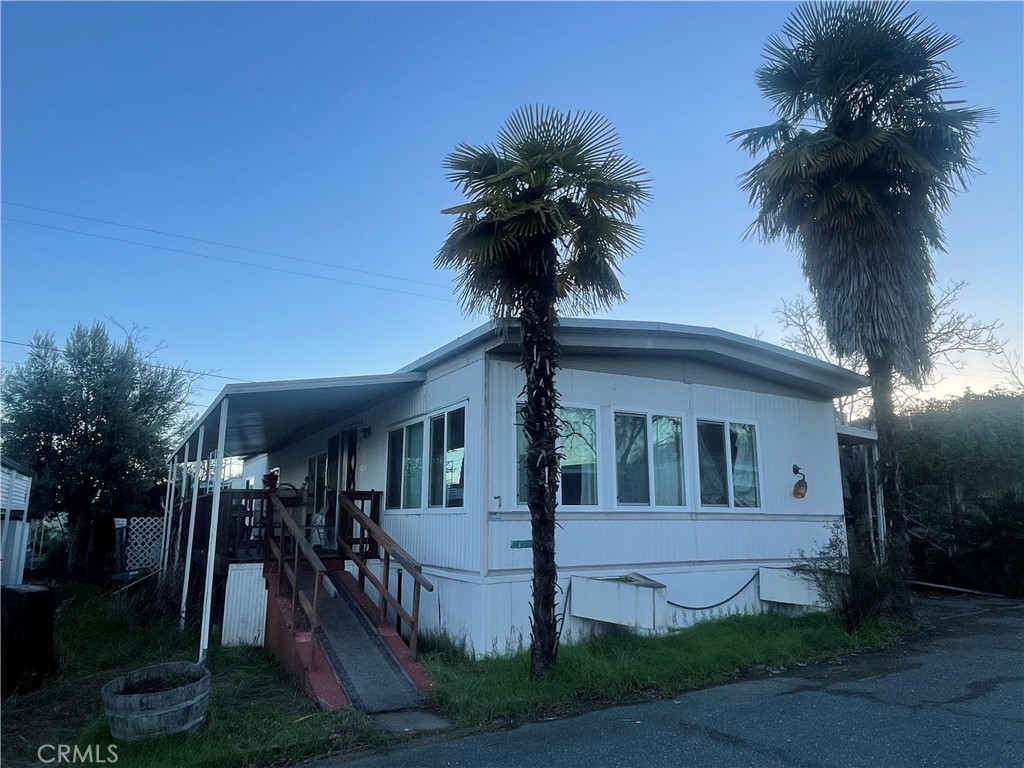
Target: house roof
631,337
9,463
265,416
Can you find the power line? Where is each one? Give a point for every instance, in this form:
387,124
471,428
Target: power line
226,260
224,245
153,365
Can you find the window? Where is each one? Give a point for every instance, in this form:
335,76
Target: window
405,467
578,447
447,458
727,458
446,448
649,453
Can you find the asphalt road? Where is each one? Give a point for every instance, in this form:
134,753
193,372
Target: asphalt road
953,696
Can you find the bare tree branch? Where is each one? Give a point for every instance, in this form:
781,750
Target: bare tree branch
953,334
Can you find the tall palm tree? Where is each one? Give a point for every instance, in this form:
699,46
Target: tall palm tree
856,171
549,218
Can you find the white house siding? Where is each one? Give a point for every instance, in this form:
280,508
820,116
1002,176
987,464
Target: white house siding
14,489
702,555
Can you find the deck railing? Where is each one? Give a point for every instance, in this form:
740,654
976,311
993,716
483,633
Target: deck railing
364,540
240,526
290,562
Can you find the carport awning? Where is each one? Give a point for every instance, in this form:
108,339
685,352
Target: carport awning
266,416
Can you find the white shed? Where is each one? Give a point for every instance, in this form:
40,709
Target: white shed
15,488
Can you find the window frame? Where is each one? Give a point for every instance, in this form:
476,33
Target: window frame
599,450
445,419
651,505
758,442
403,428
426,421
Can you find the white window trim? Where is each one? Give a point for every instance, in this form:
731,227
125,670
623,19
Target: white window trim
652,506
731,506
599,449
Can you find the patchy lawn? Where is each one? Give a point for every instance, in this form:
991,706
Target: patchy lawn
621,666
256,718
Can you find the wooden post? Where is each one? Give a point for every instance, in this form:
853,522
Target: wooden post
398,616
415,627
383,595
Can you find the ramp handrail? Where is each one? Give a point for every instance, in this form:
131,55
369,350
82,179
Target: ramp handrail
367,545
311,608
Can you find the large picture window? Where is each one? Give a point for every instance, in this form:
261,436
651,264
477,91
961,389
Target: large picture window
445,447
649,454
578,447
727,458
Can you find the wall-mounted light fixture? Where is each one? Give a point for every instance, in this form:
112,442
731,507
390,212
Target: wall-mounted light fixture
800,487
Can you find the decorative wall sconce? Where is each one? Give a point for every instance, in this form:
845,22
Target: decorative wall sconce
365,432
800,487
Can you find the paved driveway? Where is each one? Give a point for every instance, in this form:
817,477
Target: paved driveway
953,697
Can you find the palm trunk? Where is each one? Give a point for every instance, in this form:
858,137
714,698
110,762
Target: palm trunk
897,551
540,421
881,373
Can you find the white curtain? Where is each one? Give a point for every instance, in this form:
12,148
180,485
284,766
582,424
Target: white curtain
744,466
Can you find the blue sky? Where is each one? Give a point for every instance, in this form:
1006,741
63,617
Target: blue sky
318,131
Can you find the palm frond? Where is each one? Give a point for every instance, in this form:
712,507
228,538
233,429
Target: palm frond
553,183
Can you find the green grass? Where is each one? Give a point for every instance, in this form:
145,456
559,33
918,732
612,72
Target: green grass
257,717
622,666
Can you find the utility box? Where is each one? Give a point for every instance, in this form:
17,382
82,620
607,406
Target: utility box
633,601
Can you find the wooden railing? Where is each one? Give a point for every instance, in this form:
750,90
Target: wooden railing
289,563
363,539
240,527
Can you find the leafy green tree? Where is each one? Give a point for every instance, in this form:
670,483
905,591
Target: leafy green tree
856,171
549,218
961,463
95,422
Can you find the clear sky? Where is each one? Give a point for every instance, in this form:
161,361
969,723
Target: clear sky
317,131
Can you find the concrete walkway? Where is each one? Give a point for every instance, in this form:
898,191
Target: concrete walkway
953,696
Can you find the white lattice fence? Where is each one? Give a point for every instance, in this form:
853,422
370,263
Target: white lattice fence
145,537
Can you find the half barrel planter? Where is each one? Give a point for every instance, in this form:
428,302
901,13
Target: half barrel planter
178,702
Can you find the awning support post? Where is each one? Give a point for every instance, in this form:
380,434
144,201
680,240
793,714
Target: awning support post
191,528
211,552
165,541
181,515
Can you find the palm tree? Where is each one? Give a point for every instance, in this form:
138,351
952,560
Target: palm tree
549,218
863,159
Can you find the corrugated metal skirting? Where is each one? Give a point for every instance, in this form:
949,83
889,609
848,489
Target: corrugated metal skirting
245,605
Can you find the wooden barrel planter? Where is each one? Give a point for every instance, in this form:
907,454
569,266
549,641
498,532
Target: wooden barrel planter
157,700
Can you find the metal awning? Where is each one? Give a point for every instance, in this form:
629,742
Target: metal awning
266,416
850,435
